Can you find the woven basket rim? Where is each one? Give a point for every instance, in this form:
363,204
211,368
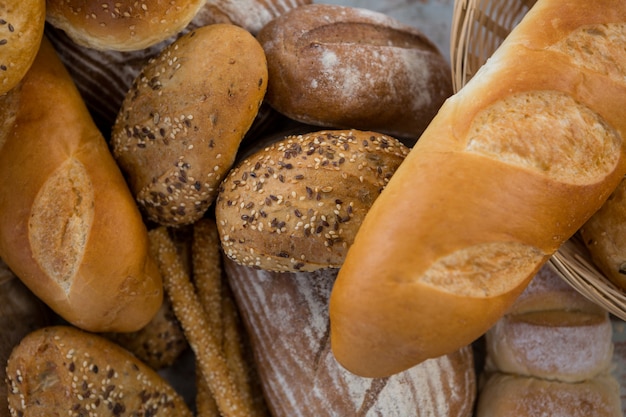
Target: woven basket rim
478,28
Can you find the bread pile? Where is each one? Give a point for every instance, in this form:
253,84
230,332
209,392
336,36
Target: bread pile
242,181
551,353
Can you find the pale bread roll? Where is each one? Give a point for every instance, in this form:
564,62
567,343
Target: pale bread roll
517,396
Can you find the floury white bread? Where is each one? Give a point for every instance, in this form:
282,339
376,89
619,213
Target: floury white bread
508,170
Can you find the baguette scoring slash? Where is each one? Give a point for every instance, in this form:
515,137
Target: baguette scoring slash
508,170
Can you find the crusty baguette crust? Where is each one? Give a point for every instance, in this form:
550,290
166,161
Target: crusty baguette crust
507,171
69,227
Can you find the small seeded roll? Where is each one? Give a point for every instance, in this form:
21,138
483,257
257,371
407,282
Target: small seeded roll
63,371
121,25
350,68
175,148
21,30
297,204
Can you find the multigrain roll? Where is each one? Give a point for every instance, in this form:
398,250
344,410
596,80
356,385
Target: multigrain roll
61,371
69,226
350,68
121,25
296,204
508,170
21,30
176,148
286,316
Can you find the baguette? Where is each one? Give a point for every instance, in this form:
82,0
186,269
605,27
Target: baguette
510,168
69,227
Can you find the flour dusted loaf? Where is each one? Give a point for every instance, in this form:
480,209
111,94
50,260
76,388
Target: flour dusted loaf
121,25
508,170
351,68
21,30
286,316
568,342
506,395
296,204
69,226
181,124
63,371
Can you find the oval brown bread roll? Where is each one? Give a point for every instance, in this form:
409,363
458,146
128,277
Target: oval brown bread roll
69,227
296,204
121,25
21,30
351,68
509,169
286,316
62,371
604,235
181,124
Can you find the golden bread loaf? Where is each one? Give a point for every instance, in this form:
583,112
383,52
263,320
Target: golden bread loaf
508,170
121,25
351,68
296,204
181,124
21,30
286,316
63,371
69,226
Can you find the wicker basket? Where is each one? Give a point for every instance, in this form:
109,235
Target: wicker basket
478,28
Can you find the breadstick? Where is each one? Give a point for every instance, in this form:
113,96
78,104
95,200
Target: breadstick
192,317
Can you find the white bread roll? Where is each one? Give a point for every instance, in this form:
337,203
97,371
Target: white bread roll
69,227
507,171
286,316
517,396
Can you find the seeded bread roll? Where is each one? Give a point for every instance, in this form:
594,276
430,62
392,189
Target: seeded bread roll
508,170
286,316
517,396
21,30
61,371
69,227
121,25
604,235
351,68
175,148
297,204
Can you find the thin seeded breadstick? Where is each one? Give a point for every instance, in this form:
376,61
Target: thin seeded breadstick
231,402
205,402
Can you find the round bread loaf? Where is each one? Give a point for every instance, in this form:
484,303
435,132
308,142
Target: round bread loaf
62,371
286,316
20,313
351,68
297,204
175,148
551,332
121,25
21,30
517,396
604,235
